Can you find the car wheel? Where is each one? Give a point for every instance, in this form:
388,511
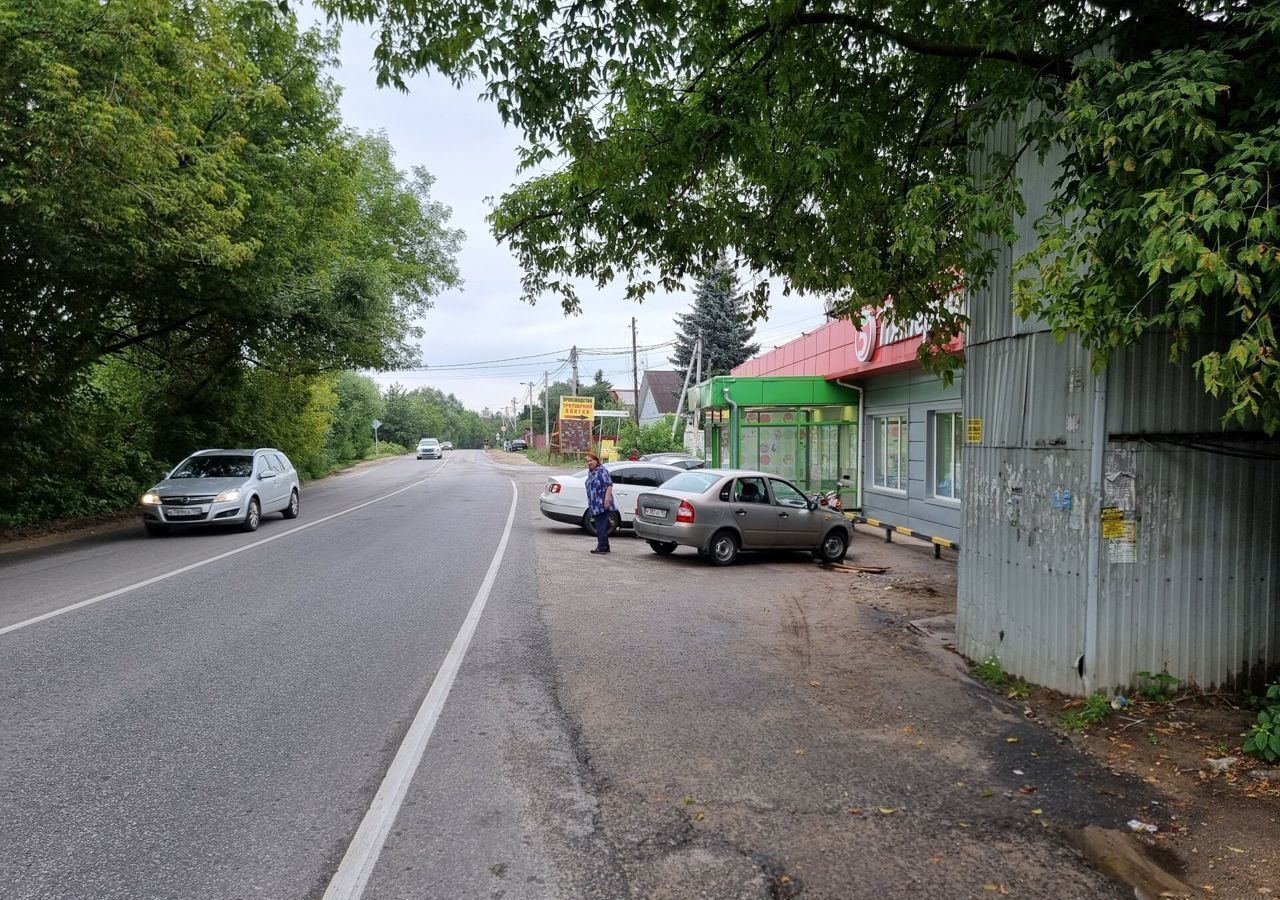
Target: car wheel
833,547
253,518
663,548
155,530
615,521
291,511
724,548
587,525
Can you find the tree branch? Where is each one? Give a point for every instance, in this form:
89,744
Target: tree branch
1030,59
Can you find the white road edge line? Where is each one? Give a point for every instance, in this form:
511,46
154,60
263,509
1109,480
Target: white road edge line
353,873
212,559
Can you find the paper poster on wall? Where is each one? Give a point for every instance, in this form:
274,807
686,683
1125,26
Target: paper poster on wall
974,431
1124,548
1119,484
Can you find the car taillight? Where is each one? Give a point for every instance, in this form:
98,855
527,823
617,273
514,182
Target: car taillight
685,512
553,488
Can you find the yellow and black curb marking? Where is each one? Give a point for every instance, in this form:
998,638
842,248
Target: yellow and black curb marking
889,530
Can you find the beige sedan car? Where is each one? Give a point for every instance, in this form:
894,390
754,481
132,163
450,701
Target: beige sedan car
724,511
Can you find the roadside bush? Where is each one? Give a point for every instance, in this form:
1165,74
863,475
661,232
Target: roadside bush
1263,740
655,438
1159,687
991,672
1093,710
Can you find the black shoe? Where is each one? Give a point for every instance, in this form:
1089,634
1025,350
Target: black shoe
598,550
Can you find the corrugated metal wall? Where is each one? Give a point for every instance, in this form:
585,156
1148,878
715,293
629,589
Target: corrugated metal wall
1202,598
1193,589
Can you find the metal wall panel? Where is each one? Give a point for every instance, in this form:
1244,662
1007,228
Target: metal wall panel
1148,393
1191,587
1023,562
917,395
1201,600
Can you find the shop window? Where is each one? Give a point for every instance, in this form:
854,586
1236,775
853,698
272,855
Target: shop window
889,452
946,455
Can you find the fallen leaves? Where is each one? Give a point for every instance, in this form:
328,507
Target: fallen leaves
991,887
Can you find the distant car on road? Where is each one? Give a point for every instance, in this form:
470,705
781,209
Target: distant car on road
565,497
446,445
519,444
683,460
223,487
429,448
724,511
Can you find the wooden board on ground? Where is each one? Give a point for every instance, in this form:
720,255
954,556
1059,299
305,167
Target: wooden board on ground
865,570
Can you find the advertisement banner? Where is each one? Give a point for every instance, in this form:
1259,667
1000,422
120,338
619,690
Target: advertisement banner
577,408
577,414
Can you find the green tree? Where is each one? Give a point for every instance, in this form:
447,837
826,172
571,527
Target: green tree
831,145
359,402
652,438
178,196
719,316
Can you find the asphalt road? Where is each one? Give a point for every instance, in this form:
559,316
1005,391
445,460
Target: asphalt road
224,715
218,716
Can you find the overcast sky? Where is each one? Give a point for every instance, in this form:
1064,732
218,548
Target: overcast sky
462,142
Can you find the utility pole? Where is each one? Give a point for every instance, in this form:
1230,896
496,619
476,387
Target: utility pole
684,389
698,351
546,415
635,370
531,384
573,361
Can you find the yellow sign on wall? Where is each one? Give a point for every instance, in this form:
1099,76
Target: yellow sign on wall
578,408
975,431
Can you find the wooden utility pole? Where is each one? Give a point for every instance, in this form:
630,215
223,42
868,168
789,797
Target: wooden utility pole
635,370
573,361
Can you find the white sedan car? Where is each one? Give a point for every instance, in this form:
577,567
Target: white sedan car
565,497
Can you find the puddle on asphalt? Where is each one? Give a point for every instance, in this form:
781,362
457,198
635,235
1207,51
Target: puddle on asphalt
1122,856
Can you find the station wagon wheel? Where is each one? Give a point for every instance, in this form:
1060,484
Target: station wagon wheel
254,516
663,548
724,548
834,546
291,511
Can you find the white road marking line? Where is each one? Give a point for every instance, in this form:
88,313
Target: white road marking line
353,873
212,559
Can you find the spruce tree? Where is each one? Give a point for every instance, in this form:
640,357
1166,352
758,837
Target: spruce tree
719,316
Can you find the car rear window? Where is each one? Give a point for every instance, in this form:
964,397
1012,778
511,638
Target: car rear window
691,482
215,467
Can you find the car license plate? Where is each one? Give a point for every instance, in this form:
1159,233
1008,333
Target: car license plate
179,512
655,512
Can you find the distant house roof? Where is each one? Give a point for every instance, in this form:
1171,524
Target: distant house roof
664,386
626,398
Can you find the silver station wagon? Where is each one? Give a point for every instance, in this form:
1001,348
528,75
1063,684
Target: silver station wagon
723,511
223,487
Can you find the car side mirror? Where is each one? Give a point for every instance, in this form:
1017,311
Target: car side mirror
813,504
263,475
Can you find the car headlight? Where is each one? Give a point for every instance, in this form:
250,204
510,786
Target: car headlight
150,498
225,496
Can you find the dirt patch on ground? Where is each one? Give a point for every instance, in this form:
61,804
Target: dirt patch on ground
38,533
1218,826
1221,816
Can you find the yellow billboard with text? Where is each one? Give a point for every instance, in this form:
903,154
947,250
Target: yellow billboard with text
578,408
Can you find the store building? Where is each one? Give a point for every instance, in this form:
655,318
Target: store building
850,409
